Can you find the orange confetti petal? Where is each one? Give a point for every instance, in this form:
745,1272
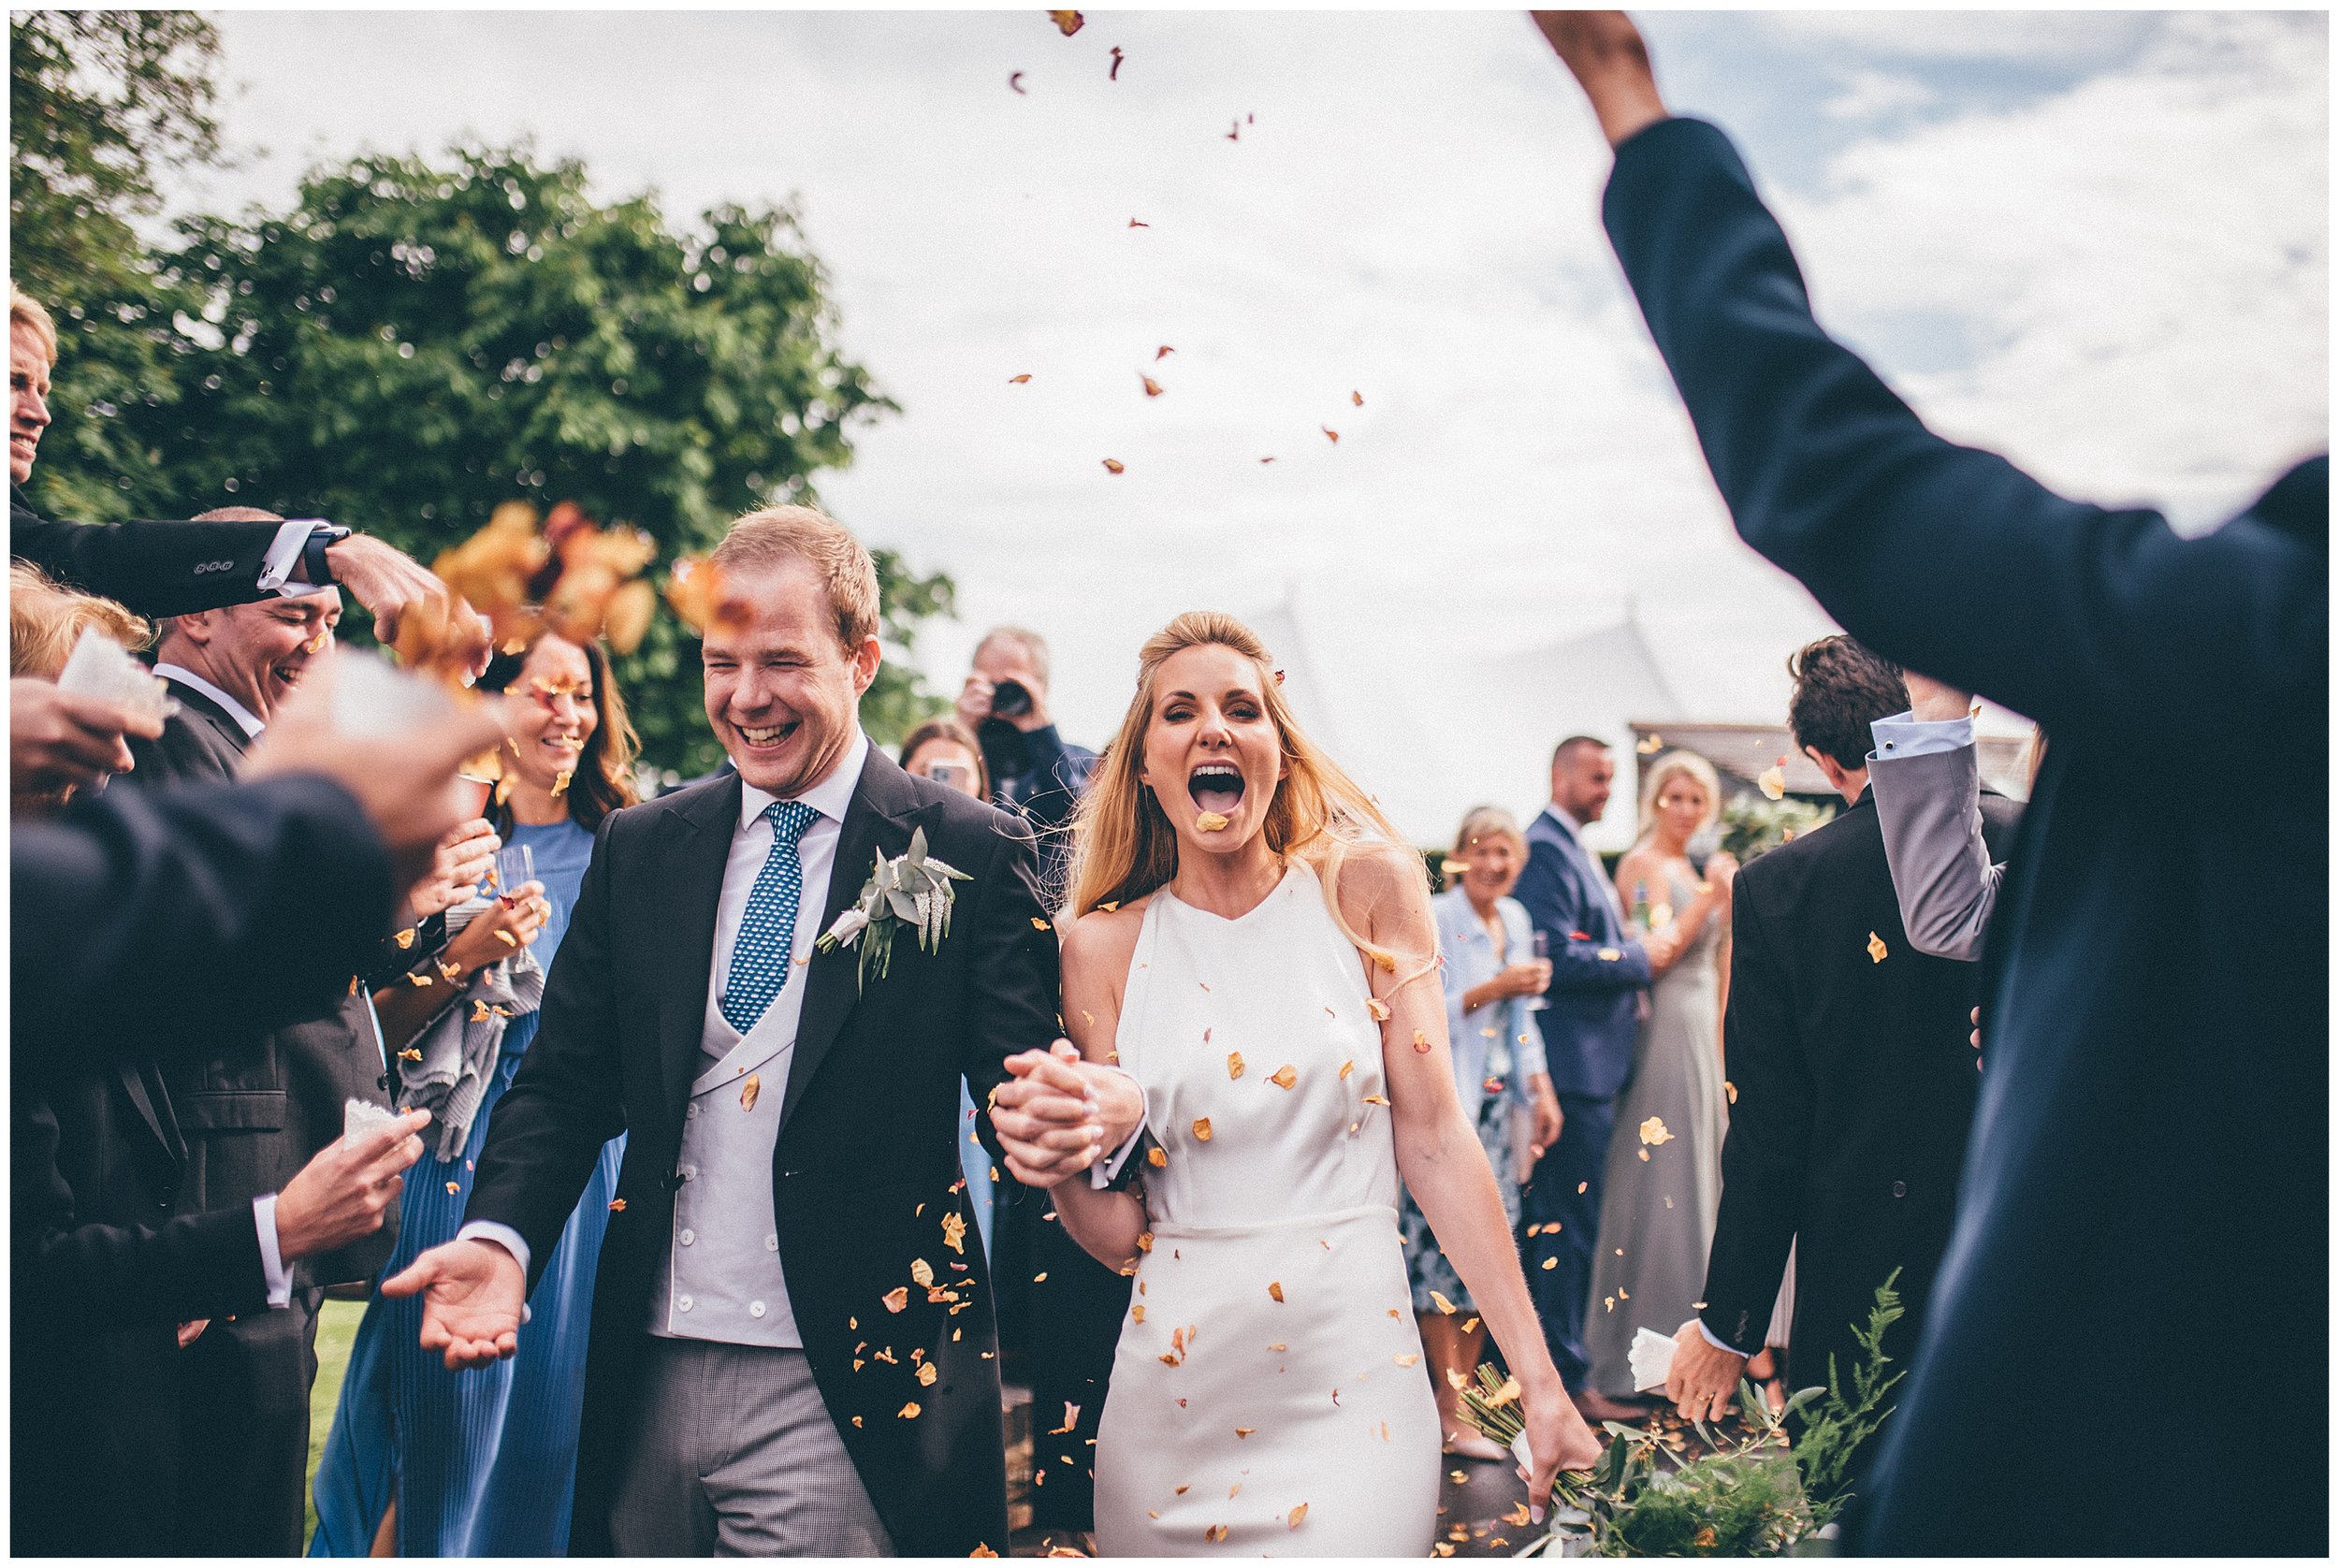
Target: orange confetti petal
1210,822
1068,23
1283,1076
1214,1533
1378,1008
1155,1158
908,1412
1276,1290
1421,1041
1773,782
1164,352
1357,398
1437,1299
1234,1063
1113,465
922,1272
751,1090
1409,1359
1242,1431
1018,381
1653,1132
1291,1521
1875,948
1015,81
1201,1129
1329,434
405,939
1137,223
897,1297
1153,387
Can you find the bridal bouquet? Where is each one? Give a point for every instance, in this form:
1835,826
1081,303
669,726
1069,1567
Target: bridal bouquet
1756,1495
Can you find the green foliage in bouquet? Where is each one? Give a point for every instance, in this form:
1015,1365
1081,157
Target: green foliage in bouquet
1756,1495
1751,825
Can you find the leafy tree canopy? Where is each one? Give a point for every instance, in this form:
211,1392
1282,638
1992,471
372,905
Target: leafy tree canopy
416,341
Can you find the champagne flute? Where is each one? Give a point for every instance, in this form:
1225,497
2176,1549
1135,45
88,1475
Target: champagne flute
515,864
1538,1002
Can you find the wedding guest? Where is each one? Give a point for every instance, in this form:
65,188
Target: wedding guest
1599,967
423,1462
256,1111
1489,977
1665,1173
168,568
2111,1225
945,751
790,1170
1059,1309
1856,1085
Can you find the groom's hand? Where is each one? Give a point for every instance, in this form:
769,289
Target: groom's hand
1050,1114
1703,1382
1604,53
471,1294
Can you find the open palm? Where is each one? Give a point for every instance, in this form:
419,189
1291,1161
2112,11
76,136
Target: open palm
473,1293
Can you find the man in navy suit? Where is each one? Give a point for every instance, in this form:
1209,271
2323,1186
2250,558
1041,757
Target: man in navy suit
1598,970
2146,1185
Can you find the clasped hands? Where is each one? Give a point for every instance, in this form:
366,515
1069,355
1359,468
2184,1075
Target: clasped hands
1056,1114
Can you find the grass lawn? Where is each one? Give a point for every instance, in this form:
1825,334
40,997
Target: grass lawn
337,1330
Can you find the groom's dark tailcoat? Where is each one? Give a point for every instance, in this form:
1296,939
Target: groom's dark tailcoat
1854,1088
865,1171
2142,1234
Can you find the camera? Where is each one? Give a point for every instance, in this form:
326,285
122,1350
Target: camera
1010,699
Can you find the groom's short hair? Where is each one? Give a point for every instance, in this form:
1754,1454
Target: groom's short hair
1840,688
784,534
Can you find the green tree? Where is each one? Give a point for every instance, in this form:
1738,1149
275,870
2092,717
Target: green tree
416,341
100,103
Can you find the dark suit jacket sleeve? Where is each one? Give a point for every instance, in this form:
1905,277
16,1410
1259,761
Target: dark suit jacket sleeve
567,1100
242,905
1765,1156
1011,966
79,1280
1947,558
155,568
1554,903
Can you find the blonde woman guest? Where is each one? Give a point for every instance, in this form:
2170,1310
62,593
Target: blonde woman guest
1490,973
1663,1181
45,620
1253,941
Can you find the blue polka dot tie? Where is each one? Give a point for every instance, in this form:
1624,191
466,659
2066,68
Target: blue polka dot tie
767,932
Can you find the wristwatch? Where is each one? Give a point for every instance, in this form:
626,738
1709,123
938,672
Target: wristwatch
314,566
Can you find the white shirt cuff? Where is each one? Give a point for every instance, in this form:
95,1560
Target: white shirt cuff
1718,1342
1101,1176
271,1256
509,1239
1902,735
283,553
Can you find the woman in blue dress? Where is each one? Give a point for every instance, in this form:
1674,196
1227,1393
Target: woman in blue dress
1490,974
422,1462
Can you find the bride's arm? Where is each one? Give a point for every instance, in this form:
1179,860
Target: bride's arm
1386,902
1095,957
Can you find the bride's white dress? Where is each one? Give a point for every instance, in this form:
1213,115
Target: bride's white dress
1269,1394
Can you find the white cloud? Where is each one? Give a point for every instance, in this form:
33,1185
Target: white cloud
1867,94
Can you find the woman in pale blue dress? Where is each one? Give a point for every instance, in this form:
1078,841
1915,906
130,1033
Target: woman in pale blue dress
421,1460
1490,973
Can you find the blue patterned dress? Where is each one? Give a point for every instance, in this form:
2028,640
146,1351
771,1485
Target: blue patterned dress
480,1463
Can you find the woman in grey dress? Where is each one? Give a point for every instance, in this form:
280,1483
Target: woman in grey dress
1664,1180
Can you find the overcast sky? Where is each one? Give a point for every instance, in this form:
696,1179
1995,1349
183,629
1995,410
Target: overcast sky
2096,242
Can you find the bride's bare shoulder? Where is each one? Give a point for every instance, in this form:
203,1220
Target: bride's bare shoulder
1102,940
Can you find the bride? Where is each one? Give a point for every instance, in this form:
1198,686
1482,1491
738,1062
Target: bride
1253,941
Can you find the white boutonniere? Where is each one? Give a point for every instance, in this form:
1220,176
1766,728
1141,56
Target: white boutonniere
911,889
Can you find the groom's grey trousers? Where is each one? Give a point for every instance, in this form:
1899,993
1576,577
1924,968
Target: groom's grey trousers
734,1455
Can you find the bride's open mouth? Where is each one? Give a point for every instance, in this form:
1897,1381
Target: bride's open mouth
1216,789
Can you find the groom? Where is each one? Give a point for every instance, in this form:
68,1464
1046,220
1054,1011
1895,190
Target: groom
792,1350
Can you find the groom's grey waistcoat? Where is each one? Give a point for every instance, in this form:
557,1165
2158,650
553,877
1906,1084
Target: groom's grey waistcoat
722,1280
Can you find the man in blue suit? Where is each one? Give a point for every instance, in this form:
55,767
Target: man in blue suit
2147,1181
1598,970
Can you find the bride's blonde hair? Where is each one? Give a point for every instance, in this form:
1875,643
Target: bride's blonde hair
1123,846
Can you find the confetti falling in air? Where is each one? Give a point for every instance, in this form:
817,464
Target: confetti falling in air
897,1297
1274,1290
1068,23
1410,1358
1138,222
1649,747
1164,352
1115,74
1283,1076
923,1272
1875,948
1242,1431
1157,1158
1201,1129
1730,1089
1773,780
1015,83
1345,1068
927,1374
908,1412
1291,1521
1215,1533
1329,434
749,1090
1378,1008
1114,465
1653,1132
1234,1063
1018,381
1438,1300
406,938
1357,398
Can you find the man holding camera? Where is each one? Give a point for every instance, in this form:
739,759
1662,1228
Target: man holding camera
1034,772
